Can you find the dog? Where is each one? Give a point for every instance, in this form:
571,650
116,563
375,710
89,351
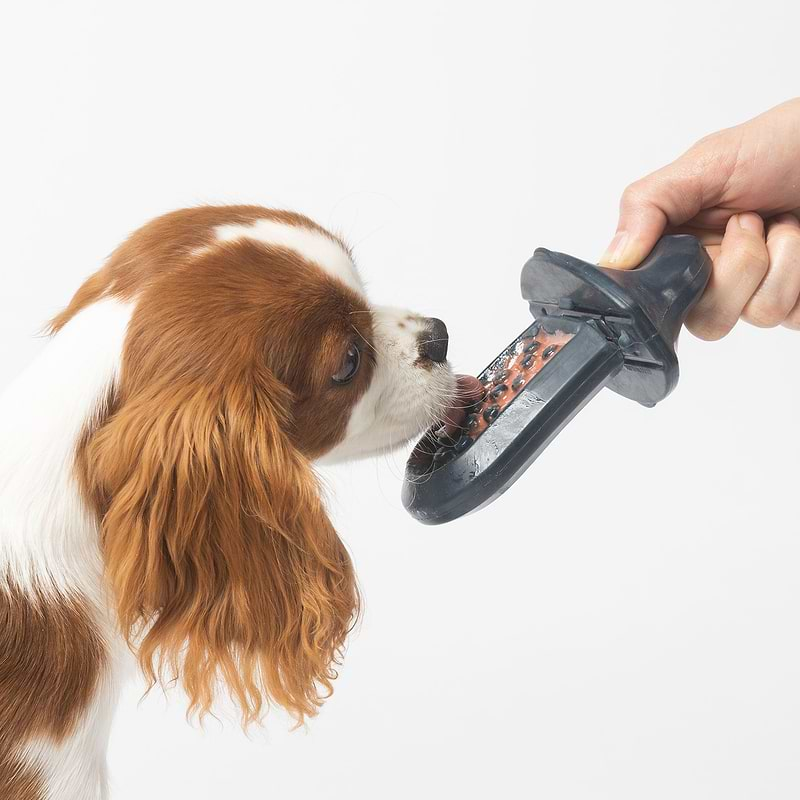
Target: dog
158,500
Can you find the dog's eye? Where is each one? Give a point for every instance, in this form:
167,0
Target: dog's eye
350,365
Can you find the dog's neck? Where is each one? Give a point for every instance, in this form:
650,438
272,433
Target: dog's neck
47,534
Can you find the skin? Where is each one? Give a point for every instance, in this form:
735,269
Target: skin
738,191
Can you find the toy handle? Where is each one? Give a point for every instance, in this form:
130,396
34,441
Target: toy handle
642,309
668,283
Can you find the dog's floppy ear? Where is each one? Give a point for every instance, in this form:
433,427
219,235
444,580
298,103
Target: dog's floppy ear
217,547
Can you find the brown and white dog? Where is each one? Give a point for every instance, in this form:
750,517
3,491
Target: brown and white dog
157,494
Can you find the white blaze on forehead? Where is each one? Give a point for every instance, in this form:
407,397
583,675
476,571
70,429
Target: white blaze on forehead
313,245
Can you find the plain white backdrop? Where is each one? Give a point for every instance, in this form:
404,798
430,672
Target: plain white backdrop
623,623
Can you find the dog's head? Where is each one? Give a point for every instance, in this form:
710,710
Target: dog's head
251,350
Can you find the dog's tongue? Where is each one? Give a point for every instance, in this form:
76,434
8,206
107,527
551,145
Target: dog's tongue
469,391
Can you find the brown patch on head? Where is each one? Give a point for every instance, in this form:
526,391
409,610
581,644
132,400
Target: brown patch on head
163,244
244,313
217,546
52,657
216,312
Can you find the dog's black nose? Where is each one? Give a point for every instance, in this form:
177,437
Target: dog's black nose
433,340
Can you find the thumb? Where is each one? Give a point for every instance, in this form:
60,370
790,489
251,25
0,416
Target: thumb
672,195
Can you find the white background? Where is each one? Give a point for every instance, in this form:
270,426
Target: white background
624,622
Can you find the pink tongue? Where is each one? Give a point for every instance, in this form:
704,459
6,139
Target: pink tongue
469,391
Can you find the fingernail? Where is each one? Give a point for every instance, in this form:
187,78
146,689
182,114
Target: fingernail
752,223
616,250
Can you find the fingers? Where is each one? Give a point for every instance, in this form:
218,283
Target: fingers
755,277
776,298
671,196
739,270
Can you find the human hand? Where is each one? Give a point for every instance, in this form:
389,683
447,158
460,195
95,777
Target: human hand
738,191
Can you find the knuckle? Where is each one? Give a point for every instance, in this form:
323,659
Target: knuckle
711,137
636,193
765,312
715,139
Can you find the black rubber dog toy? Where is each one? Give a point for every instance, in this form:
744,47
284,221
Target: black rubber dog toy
593,327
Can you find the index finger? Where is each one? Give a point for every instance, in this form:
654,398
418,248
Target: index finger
672,196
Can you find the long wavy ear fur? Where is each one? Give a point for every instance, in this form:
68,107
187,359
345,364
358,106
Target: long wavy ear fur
219,551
